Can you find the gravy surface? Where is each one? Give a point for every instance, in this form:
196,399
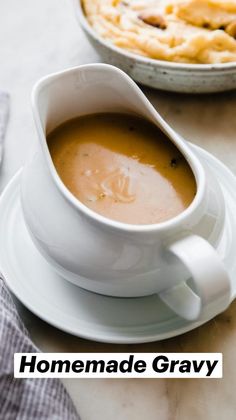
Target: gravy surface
122,167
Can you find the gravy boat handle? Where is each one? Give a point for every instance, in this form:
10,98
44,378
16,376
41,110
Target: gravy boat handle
211,285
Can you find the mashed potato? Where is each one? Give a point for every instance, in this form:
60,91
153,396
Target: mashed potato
188,31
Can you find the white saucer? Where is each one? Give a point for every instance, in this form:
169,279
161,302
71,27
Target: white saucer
86,314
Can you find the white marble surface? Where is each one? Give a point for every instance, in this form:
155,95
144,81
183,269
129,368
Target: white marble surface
41,36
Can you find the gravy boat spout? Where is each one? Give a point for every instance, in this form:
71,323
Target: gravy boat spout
92,251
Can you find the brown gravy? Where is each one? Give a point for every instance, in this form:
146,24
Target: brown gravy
122,167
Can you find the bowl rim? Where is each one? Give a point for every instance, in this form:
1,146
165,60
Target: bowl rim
165,65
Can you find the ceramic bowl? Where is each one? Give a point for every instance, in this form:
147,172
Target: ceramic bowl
176,77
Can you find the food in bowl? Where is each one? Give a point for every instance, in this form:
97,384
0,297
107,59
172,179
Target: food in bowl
122,167
183,31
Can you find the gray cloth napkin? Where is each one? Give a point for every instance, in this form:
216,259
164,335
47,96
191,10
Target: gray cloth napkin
26,399
4,112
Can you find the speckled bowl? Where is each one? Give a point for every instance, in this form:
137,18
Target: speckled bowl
176,77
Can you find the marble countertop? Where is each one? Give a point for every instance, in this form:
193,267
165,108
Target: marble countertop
42,36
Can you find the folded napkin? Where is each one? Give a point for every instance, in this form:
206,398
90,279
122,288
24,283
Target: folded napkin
4,111
26,399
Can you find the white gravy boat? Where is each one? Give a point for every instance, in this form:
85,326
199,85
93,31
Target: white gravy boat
106,256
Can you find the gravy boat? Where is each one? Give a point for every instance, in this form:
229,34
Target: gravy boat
176,259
